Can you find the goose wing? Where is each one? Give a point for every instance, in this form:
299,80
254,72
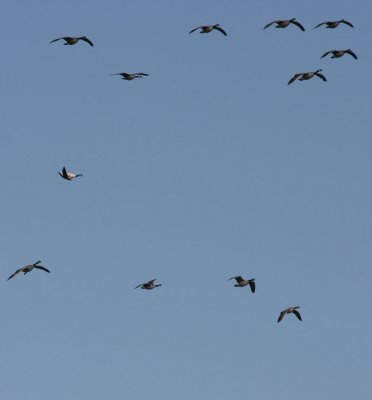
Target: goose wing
321,76
141,284
87,40
270,23
151,282
326,54
297,314
343,21
195,29
141,74
282,315
42,268
252,285
296,76
15,273
55,40
351,53
298,24
237,278
220,30
322,23
65,173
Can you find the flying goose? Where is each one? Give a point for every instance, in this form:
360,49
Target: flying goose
73,40
334,24
28,268
339,53
290,310
68,175
209,28
240,282
304,76
148,285
283,23
130,77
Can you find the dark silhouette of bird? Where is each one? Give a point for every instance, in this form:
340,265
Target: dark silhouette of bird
130,77
283,23
304,76
209,28
29,268
334,24
290,310
339,53
69,176
240,282
70,40
148,285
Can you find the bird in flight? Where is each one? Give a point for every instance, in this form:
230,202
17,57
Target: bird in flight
69,176
334,24
209,28
283,23
130,77
339,53
70,40
305,76
28,268
148,285
290,310
240,282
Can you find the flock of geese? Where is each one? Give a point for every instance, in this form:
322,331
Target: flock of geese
240,281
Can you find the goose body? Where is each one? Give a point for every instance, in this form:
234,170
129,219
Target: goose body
305,76
69,176
148,285
29,268
71,40
339,53
209,28
290,310
240,282
284,23
334,24
129,77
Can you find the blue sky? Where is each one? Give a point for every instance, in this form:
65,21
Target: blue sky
211,167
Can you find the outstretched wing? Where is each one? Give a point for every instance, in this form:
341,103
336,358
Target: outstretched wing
297,314
141,284
294,78
270,23
351,53
347,23
220,30
87,40
55,40
326,54
321,76
252,285
298,24
195,29
322,23
15,273
40,267
237,278
141,74
151,282
282,315
64,173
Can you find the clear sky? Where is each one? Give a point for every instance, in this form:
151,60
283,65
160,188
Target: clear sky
210,167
